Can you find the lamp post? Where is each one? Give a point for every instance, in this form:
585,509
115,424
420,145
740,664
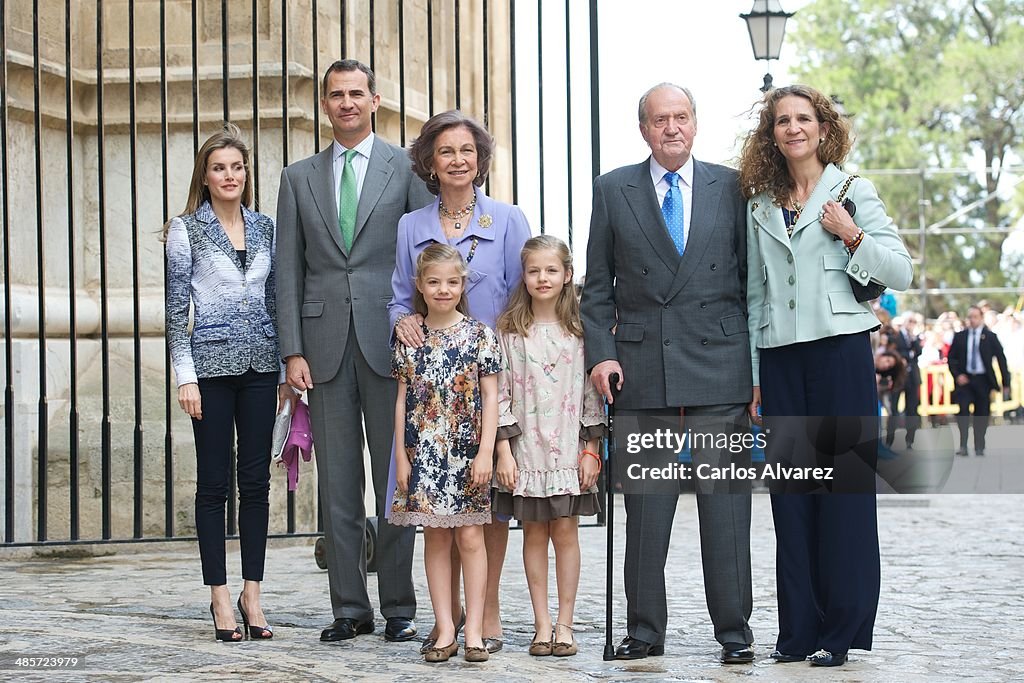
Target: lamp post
766,23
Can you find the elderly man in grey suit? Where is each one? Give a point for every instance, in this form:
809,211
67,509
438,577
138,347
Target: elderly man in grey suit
337,217
664,308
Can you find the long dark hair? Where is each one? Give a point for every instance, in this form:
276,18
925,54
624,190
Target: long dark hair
198,192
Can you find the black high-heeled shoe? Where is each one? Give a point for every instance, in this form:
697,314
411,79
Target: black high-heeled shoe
255,632
226,635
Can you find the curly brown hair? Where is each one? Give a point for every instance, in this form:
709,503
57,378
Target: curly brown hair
762,166
421,152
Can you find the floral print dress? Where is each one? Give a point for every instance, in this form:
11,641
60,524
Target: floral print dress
548,408
443,411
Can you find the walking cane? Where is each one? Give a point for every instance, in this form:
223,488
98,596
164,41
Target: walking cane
609,649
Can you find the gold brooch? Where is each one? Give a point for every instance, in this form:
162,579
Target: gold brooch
485,221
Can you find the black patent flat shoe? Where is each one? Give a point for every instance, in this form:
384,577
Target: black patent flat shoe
826,658
783,658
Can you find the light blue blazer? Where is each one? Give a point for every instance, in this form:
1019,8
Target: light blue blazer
500,230
797,287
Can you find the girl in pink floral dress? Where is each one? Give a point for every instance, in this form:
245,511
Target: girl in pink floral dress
550,421
445,421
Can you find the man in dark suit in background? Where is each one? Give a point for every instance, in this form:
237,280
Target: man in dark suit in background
908,345
664,307
970,362
337,218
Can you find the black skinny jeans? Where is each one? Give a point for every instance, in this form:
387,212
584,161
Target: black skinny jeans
248,403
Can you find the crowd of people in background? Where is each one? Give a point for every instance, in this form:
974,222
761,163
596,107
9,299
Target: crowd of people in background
930,341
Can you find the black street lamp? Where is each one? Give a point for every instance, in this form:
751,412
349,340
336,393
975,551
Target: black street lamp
766,23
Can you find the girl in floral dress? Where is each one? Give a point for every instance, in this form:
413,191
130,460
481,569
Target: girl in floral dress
445,418
550,422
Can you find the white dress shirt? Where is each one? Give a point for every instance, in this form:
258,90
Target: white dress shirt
359,164
685,189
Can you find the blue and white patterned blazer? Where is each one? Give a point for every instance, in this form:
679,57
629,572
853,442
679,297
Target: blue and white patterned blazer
235,312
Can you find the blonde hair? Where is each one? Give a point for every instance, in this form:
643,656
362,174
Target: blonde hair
434,255
198,192
762,166
518,315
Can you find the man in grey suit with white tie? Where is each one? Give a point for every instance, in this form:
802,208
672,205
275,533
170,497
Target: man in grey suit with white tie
664,307
337,218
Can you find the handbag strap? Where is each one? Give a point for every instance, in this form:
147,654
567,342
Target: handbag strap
846,188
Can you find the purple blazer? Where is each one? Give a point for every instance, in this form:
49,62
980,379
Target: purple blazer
495,269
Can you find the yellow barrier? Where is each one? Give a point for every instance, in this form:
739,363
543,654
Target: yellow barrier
939,401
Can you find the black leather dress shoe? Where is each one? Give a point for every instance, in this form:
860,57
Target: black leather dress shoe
399,629
826,658
737,653
632,648
344,629
783,658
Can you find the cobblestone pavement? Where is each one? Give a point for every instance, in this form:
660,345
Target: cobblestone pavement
952,604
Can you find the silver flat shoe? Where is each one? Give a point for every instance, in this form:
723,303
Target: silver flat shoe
493,645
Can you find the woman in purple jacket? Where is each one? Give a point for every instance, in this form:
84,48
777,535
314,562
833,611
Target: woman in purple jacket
453,155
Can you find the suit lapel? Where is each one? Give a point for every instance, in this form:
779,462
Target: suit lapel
213,230
643,202
378,173
768,217
321,185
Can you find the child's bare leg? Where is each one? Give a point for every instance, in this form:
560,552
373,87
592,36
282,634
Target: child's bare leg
535,561
474,571
496,539
456,590
565,537
437,557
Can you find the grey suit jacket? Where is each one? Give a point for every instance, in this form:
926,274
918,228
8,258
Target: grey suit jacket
676,325
321,286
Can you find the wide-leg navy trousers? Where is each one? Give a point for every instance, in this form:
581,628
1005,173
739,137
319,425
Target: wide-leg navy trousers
827,563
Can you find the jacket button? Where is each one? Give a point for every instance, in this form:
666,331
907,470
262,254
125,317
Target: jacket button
792,280
714,267
644,271
346,300
704,342
703,304
864,274
789,258
792,304
667,306
667,342
855,269
350,271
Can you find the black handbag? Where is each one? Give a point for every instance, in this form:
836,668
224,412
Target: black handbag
862,292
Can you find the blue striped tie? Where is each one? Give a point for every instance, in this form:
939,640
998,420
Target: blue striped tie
672,210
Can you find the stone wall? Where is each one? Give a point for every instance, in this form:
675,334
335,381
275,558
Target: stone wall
76,250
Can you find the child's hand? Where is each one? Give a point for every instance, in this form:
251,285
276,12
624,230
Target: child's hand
481,468
589,469
403,472
507,472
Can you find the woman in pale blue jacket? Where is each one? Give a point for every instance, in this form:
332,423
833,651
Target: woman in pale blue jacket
220,263
816,237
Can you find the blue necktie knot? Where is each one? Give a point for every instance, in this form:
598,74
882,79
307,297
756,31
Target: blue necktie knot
672,179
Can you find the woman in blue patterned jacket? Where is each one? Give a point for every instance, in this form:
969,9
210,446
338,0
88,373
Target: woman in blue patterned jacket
220,260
